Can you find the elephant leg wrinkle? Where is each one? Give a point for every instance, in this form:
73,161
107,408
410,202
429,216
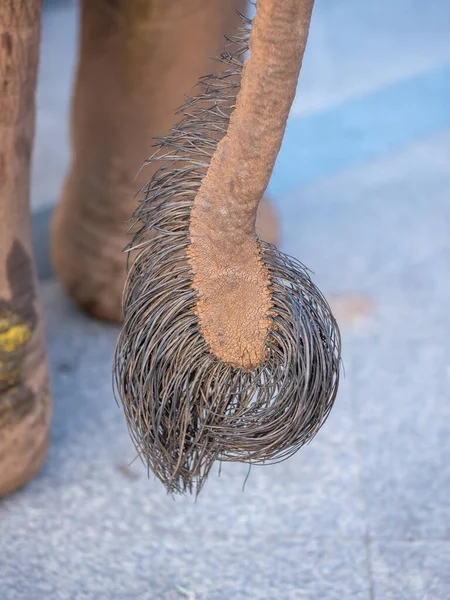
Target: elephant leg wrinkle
25,405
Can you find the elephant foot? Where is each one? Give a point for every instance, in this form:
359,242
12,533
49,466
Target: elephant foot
25,404
86,247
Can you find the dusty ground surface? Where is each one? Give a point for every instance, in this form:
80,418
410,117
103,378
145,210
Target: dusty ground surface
362,186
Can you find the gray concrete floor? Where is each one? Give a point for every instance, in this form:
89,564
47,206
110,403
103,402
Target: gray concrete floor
364,511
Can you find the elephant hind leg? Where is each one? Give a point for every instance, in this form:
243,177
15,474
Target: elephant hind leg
24,384
137,60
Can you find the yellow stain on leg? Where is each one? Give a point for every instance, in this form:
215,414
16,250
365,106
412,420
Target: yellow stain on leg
14,337
14,334
9,376
16,400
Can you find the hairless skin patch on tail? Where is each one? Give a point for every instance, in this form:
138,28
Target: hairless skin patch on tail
229,274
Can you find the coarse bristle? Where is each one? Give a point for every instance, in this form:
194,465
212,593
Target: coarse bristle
186,409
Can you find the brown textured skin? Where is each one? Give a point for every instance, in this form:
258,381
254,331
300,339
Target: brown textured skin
25,405
233,285
137,60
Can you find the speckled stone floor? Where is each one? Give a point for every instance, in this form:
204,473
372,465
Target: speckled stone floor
362,186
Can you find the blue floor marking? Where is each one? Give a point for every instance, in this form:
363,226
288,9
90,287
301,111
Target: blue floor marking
361,129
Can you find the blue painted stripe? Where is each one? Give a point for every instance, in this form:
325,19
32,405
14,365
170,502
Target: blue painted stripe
362,129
